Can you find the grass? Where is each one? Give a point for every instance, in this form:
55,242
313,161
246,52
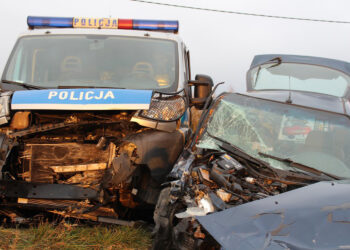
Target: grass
63,236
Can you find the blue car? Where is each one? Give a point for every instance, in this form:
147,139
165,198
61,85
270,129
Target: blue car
268,169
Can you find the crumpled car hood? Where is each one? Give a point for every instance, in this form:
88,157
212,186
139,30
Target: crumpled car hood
81,99
313,217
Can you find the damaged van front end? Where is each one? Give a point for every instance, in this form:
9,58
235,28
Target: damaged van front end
92,118
87,163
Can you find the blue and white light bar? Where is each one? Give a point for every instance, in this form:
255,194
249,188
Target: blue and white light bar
102,23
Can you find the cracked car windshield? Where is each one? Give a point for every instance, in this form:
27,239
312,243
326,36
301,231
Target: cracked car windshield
302,77
94,61
314,138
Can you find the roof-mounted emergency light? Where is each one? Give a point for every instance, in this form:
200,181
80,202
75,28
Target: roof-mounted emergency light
101,23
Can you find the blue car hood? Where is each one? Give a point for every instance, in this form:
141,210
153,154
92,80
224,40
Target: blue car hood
313,217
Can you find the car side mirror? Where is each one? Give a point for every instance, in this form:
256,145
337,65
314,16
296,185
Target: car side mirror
203,86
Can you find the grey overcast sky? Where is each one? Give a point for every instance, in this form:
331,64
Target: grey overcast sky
222,45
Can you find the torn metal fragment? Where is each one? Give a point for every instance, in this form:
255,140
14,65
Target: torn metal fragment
79,168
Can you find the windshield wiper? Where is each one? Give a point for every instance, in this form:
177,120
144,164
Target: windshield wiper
279,61
301,166
240,153
25,85
279,173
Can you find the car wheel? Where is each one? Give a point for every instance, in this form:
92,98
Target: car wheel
165,221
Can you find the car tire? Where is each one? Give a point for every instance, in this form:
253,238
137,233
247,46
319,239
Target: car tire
162,219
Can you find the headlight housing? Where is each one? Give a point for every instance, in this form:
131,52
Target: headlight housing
165,107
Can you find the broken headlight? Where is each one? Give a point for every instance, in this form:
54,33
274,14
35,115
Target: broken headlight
165,107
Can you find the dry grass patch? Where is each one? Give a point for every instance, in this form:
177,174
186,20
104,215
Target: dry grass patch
48,236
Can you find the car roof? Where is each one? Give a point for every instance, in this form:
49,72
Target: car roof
326,62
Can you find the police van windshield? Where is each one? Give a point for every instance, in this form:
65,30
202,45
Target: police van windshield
94,61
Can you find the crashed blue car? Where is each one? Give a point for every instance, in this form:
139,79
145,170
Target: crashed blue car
267,169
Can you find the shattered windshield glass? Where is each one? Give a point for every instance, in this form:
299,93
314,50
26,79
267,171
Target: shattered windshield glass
301,77
317,139
94,61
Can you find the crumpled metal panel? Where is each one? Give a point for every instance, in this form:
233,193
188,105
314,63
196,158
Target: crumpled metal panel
313,217
158,150
5,107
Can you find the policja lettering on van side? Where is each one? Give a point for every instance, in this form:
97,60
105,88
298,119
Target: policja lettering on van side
81,95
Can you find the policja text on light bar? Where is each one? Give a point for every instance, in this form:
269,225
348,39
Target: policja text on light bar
102,23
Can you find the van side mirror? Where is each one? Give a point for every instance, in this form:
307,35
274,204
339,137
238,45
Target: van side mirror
203,86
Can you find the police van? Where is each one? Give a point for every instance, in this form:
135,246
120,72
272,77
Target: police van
94,113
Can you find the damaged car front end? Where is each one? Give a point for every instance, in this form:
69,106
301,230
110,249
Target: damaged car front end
263,173
81,162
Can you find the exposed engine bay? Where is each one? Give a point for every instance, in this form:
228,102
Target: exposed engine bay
208,183
84,164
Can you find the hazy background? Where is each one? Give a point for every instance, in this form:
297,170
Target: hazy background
222,45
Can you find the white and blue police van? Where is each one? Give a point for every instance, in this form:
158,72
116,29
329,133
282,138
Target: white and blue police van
94,113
